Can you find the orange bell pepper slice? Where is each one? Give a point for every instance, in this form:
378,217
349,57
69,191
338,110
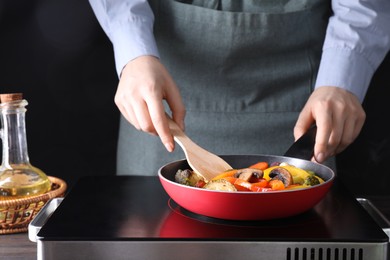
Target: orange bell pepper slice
262,183
240,184
228,173
261,186
255,188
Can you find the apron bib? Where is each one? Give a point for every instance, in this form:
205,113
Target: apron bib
244,69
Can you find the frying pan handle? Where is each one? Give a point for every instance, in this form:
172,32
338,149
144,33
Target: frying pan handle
303,148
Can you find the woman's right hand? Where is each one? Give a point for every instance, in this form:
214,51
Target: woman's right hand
143,85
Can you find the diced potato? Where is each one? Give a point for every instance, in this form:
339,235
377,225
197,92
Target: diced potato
220,185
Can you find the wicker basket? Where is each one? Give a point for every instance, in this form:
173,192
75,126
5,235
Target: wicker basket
16,214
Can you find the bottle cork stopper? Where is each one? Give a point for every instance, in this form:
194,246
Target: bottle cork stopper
10,97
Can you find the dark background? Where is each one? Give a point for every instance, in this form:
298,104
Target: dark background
55,52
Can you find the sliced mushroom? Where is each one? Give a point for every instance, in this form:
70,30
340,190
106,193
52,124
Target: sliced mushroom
282,174
248,174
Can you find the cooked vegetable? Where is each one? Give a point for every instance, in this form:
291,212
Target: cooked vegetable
220,185
248,174
189,178
311,181
240,184
261,186
299,176
277,184
225,174
259,165
279,176
282,174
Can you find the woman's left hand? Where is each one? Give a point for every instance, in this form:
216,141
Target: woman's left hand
339,117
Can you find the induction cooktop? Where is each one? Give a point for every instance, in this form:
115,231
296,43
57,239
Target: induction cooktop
131,217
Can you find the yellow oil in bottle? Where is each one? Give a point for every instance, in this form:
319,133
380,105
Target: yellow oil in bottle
23,181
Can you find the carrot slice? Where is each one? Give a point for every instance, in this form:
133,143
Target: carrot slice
276,184
260,165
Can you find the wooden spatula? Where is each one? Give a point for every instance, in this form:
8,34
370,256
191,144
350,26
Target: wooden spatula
200,160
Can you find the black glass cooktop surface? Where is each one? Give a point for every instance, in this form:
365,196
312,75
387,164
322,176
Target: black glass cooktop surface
136,208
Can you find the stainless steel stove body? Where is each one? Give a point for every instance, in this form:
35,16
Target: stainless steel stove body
131,217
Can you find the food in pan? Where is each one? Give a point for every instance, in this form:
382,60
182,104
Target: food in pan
259,177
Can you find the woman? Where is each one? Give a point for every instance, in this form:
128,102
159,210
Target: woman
248,76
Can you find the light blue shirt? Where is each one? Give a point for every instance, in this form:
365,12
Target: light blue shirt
356,42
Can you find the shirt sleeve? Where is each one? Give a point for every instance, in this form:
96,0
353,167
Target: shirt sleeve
356,42
129,26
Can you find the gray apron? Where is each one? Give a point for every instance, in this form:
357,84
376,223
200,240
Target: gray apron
245,70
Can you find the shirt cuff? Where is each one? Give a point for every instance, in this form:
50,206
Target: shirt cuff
345,69
131,40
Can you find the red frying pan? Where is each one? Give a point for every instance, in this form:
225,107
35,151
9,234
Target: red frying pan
252,205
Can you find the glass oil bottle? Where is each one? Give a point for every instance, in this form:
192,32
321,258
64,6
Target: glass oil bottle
18,178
